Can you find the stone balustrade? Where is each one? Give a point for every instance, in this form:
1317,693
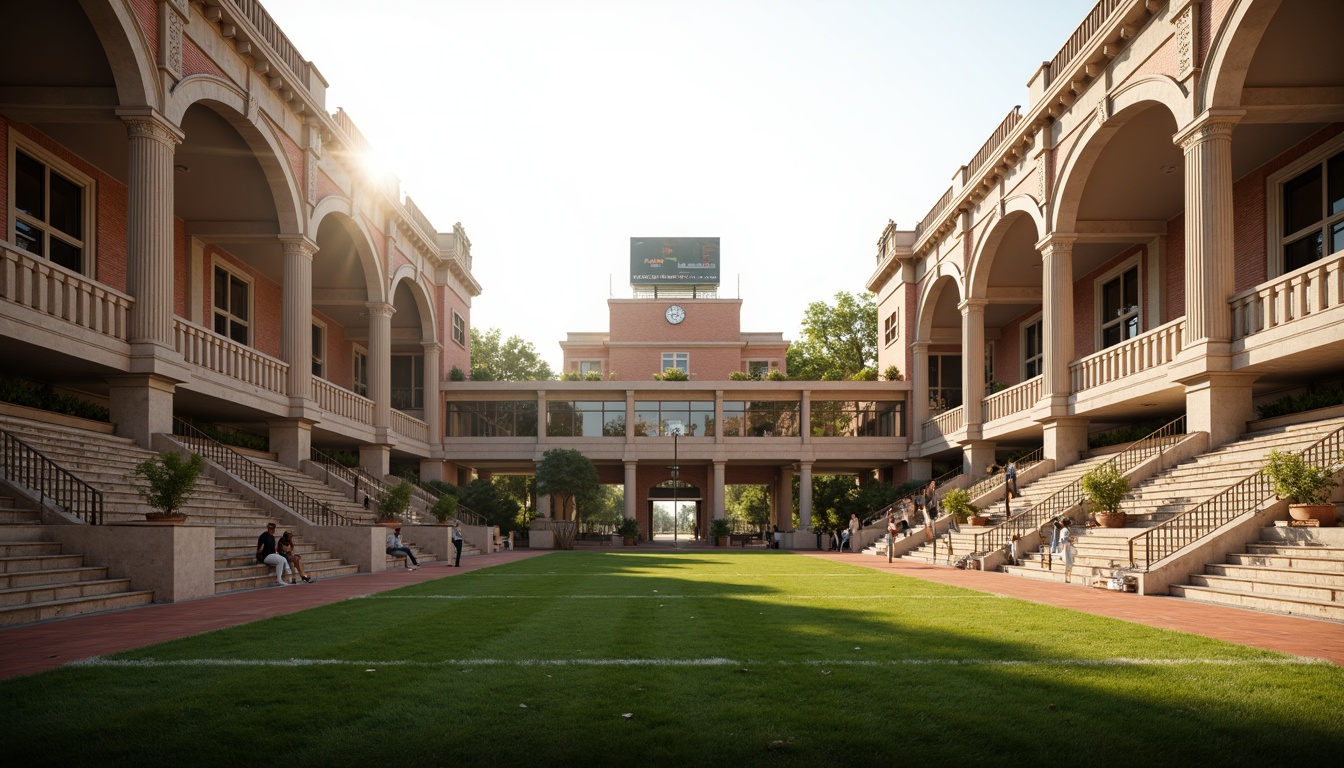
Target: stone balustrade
945,424
1147,350
342,402
40,285
1311,289
408,426
1014,399
202,347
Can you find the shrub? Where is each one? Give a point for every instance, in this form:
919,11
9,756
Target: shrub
30,395
776,375
957,503
570,375
444,508
867,374
392,504
1296,480
891,373
236,438
742,376
456,374
671,374
720,527
592,376
1305,401
170,482
1106,487
628,527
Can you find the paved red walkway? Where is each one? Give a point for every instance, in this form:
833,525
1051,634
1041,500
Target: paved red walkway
36,647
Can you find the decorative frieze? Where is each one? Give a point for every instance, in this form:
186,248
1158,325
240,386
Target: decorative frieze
173,15
1185,17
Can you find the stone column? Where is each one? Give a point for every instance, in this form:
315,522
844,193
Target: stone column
433,396
1057,333
805,416
631,488
296,325
784,500
380,362
805,495
973,364
919,377
1209,246
149,227
720,509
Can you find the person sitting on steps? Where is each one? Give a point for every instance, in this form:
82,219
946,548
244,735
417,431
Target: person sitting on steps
396,549
286,549
266,554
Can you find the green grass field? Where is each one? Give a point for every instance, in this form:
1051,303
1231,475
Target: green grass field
681,659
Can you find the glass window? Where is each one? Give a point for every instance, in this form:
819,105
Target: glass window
585,418
361,372
233,306
657,418
761,418
847,418
679,360
319,350
459,330
1033,355
408,382
50,208
1312,213
944,382
1120,308
491,418
891,328
590,366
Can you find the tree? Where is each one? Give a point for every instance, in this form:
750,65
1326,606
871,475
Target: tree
510,360
493,505
838,341
571,477
750,503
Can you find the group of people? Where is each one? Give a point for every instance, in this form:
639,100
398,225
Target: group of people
288,564
280,554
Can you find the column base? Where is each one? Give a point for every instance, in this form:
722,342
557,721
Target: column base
375,459
291,441
921,470
1219,404
976,457
141,406
1064,440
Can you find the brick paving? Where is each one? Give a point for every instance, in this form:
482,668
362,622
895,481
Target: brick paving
32,648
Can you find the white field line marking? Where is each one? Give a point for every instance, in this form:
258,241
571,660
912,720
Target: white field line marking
99,661
678,597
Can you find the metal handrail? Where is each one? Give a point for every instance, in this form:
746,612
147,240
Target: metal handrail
26,466
252,473
938,482
1071,495
1171,536
355,476
431,496
987,482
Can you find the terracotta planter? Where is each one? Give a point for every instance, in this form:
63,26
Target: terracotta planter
182,519
978,520
1112,519
629,541
1323,513
390,523
721,541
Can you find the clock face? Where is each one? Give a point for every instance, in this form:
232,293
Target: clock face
675,314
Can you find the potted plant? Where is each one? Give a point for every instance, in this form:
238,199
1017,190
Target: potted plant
958,504
171,481
1105,487
628,529
444,508
392,503
1305,487
720,529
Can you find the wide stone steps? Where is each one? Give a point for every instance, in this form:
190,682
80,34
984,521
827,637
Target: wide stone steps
46,593
1333,579
25,614
51,576
1257,602
31,563
320,491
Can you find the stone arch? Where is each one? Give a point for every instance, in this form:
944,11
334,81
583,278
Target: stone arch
1083,155
134,67
423,300
231,103
945,275
1015,207
338,209
1230,53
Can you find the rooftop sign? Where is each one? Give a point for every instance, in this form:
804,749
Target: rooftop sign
674,260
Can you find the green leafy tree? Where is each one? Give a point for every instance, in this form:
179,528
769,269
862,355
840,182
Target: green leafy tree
571,478
511,359
170,480
839,340
748,502
493,505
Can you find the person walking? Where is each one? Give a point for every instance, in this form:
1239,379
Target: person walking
267,554
1010,479
396,549
853,530
1066,546
457,545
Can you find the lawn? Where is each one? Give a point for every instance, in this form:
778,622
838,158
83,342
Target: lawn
620,658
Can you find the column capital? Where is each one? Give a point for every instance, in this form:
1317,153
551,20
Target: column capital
968,306
380,309
147,123
298,245
432,346
1056,242
1211,125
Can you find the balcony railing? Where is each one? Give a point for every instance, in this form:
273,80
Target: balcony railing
931,217
40,285
202,347
1305,291
1077,42
1015,399
992,143
945,424
26,466
1171,536
342,402
1147,350
270,32
408,426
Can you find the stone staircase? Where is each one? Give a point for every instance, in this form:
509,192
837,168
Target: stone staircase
1296,571
1032,494
108,464
1167,494
38,581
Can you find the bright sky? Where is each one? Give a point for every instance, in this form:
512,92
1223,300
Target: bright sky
555,130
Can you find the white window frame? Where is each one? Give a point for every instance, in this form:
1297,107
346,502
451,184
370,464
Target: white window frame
1098,294
1039,357
417,382
88,215
459,330
679,360
217,262
892,328
357,382
319,350
586,366
1276,237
